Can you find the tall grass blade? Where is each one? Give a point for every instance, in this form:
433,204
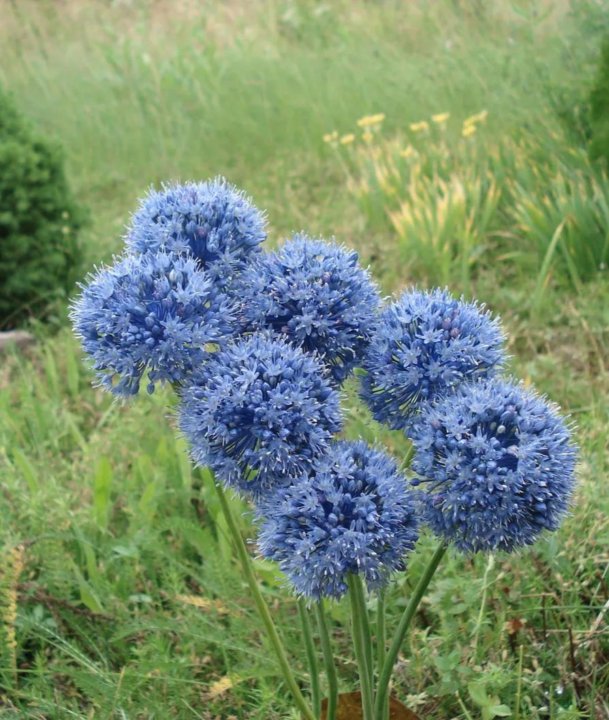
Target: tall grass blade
544,270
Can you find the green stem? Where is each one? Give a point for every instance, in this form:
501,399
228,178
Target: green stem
311,656
463,707
404,624
519,685
326,646
261,606
358,611
366,634
381,645
485,586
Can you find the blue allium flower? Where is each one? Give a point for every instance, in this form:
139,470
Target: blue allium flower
259,412
213,221
498,464
425,344
353,513
318,296
154,312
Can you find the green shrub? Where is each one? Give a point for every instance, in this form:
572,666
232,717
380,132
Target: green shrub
39,221
599,109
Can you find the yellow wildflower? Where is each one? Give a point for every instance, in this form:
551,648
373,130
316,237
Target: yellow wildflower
203,603
419,126
369,120
368,136
347,139
477,118
408,152
331,137
468,130
220,687
440,118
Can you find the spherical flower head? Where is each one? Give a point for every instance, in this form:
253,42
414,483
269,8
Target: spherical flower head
352,514
425,344
213,221
258,412
318,296
498,464
155,313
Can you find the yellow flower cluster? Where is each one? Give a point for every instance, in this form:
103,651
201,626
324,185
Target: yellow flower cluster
476,119
417,127
369,124
331,137
371,120
470,124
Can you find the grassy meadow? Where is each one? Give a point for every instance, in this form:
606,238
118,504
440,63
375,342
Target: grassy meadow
120,596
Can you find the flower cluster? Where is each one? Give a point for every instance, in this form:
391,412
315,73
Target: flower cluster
425,344
316,294
498,463
155,313
259,412
257,345
352,513
212,221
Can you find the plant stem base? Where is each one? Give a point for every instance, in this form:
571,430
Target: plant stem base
350,708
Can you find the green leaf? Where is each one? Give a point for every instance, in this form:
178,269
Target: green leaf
88,596
546,265
102,484
201,538
50,368
478,694
72,371
446,663
185,467
147,504
500,711
27,470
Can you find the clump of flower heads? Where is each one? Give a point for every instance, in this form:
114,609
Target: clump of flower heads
213,221
257,345
154,313
259,412
351,514
425,344
318,296
498,464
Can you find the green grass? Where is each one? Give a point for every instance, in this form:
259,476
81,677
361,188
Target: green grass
128,599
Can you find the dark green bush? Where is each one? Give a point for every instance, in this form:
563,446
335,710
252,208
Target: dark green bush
599,109
39,221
